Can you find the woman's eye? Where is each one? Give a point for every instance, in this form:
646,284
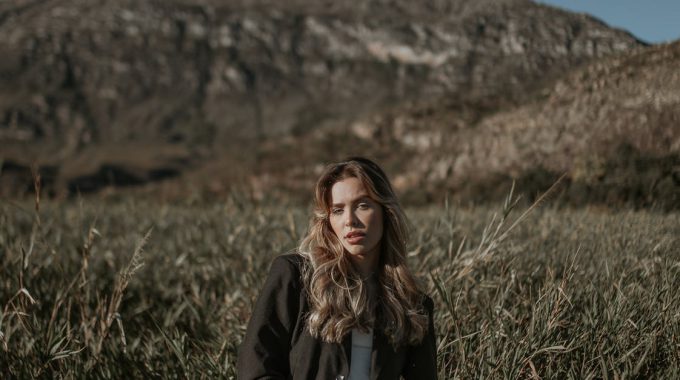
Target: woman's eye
364,206
336,211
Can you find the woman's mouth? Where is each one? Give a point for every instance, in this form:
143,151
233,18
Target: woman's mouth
355,237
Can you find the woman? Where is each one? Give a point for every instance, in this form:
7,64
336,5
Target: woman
345,306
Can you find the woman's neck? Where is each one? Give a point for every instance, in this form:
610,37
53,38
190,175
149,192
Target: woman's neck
366,273
366,265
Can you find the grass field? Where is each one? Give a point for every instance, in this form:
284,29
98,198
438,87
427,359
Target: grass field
568,293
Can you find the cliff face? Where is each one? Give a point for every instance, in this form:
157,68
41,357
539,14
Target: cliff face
112,71
612,126
145,86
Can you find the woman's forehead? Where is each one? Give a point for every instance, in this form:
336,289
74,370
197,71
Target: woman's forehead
348,190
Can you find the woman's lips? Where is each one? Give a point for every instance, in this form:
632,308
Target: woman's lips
355,237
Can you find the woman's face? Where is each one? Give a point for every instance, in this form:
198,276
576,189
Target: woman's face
357,220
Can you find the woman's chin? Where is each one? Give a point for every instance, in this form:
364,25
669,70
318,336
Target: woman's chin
356,253
359,254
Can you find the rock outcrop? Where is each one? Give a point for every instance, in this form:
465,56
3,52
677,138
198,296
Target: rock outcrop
249,80
613,127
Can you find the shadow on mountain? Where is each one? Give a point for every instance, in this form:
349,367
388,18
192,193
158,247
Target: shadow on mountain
629,179
118,176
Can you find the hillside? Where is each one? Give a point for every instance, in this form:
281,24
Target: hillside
613,126
125,92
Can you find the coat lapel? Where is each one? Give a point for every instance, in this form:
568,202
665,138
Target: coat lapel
382,354
347,350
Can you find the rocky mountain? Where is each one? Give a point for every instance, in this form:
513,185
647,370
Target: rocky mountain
612,126
122,92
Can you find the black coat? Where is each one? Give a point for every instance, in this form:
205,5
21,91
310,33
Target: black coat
277,344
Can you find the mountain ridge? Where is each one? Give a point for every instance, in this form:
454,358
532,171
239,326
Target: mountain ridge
228,88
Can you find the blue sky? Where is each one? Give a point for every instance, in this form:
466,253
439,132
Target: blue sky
651,20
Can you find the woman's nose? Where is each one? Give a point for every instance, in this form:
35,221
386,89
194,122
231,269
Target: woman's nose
351,219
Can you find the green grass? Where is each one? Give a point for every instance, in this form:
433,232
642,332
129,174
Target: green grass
568,293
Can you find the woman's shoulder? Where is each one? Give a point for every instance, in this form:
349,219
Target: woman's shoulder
293,260
290,267
426,303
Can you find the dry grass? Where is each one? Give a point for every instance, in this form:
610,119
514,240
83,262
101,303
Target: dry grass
570,293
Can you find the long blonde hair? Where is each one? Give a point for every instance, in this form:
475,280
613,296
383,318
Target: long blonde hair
338,298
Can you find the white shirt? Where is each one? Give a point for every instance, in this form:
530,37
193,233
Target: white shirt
360,363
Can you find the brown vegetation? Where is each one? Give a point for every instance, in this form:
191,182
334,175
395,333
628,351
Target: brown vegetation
572,294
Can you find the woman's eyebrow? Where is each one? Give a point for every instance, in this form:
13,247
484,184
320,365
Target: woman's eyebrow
360,198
